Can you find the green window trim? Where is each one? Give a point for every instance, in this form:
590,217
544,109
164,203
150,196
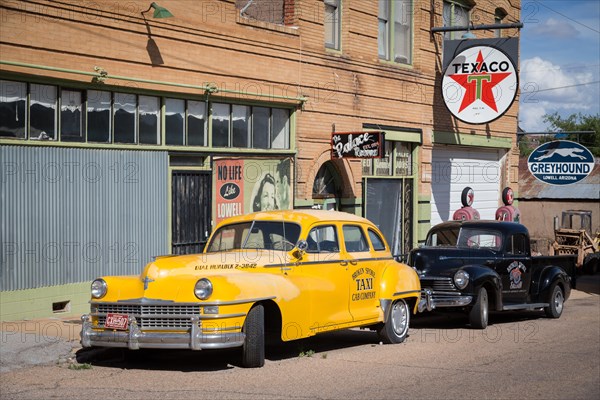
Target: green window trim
464,139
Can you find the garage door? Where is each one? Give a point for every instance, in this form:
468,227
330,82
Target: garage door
453,169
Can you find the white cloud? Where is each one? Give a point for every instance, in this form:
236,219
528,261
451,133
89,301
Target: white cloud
553,28
566,95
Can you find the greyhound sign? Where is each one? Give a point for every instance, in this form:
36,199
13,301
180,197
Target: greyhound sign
560,162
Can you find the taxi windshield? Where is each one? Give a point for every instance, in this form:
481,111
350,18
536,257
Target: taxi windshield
261,235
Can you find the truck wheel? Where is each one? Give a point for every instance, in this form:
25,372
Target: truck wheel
557,300
478,316
253,350
395,330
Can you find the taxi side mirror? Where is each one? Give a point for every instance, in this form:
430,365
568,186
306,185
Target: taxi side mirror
300,249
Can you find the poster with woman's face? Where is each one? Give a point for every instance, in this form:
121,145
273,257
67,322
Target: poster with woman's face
245,186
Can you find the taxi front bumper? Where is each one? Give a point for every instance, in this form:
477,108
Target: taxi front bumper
134,338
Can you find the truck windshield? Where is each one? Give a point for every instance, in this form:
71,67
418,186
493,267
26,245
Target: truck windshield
262,235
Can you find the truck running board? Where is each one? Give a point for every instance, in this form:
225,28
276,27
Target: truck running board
531,306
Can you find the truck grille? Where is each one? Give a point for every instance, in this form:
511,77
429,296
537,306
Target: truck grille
150,316
438,284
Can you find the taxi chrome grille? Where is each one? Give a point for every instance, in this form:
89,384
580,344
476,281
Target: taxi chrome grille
150,316
438,284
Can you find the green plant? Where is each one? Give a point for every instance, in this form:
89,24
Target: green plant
77,367
308,353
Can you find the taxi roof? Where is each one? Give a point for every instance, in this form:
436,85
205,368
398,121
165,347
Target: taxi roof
300,216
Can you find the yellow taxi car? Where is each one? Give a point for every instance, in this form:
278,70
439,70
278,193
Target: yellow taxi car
289,274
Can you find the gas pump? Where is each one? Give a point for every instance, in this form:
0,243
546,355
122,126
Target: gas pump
508,212
466,213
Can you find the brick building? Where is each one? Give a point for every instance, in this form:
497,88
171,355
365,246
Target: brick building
121,132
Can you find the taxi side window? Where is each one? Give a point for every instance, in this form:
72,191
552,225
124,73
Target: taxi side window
322,239
354,239
376,241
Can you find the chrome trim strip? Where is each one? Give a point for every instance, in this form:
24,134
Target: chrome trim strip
142,302
327,261
408,292
234,302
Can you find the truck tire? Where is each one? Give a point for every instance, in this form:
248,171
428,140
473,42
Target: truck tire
253,350
478,316
395,330
556,300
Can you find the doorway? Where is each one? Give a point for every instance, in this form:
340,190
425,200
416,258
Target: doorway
190,211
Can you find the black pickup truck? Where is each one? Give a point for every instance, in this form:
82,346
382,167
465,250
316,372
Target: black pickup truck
478,266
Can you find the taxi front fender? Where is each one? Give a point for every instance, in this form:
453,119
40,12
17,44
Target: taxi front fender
399,281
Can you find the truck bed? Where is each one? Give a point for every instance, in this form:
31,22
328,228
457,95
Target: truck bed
566,262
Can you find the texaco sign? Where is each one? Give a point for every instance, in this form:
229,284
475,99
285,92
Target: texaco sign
479,84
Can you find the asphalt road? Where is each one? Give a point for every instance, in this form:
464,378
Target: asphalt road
520,355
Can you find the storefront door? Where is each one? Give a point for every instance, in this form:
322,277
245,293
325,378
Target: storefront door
190,211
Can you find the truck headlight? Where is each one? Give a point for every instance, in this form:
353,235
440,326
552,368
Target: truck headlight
461,279
99,288
203,289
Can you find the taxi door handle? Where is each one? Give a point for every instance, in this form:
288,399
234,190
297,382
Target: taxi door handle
353,262
344,263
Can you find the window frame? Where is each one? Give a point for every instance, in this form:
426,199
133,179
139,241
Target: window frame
23,96
109,119
499,15
453,4
82,125
336,24
158,122
55,135
364,239
135,119
386,37
318,241
102,119
372,233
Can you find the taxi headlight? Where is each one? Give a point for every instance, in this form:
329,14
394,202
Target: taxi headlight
461,279
99,288
203,289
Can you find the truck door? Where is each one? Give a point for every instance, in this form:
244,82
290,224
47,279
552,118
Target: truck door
515,269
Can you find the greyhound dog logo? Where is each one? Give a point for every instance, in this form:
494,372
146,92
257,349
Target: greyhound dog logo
572,152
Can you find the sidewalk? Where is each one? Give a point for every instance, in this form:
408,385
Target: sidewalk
36,342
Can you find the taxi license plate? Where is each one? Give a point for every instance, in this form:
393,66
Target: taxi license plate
116,321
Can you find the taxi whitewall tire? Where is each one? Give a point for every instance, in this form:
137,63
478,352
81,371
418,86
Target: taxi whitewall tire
395,330
253,350
479,314
557,300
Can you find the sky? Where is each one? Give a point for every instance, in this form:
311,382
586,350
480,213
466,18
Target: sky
560,60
